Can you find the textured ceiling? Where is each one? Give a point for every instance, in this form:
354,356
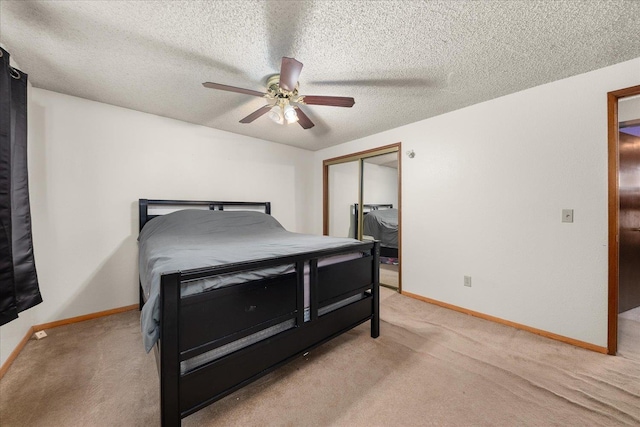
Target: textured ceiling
402,61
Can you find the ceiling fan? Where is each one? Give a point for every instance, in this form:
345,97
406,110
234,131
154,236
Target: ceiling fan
282,93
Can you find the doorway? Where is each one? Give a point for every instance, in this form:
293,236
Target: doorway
624,211
361,199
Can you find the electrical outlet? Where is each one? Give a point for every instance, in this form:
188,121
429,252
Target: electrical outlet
40,334
467,281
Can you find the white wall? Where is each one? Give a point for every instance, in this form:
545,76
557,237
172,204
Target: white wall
483,197
91,162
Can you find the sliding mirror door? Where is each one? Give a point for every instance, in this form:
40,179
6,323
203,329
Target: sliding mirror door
362,201
380,212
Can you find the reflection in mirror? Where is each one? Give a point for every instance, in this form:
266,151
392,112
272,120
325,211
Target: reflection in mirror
629,207
343,193
380,212
366,185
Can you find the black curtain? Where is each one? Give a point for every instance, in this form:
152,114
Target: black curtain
18,279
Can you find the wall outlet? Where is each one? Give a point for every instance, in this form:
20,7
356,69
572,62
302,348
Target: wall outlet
467,281
40,334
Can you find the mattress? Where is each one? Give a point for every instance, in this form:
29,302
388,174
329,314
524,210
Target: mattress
382,225
189,239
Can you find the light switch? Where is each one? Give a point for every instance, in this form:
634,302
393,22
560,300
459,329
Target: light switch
567,215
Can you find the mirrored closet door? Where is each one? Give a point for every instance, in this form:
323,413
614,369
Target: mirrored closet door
362,200
380,212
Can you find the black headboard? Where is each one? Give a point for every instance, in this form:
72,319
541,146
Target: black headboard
145,216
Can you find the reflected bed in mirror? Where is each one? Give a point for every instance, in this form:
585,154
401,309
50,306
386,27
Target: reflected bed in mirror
380,222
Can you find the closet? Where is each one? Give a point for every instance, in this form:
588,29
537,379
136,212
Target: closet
362,200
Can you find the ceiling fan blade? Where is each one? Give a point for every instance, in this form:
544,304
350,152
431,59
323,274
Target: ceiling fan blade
232,89
333,101
259,112
289,72
303,120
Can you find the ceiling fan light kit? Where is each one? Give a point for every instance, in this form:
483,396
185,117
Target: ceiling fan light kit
276,115
282,111
282,91
290,114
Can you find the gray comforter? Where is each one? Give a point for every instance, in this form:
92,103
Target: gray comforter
382,225
190,239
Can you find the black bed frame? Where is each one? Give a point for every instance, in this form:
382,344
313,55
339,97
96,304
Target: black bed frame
385,251
195,324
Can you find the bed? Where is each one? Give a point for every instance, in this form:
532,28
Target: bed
218,324
380,221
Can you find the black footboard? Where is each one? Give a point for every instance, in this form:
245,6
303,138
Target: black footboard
214,343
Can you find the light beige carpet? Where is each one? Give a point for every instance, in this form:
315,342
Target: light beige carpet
430,366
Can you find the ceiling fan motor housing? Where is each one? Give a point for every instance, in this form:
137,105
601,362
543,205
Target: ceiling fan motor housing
274,89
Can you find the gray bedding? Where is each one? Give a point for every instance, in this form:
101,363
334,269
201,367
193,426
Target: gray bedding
190,239
382,225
